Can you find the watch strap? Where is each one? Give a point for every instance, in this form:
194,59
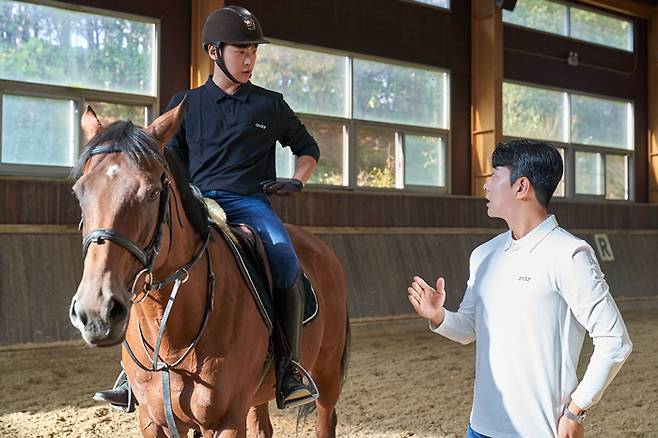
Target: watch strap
573,417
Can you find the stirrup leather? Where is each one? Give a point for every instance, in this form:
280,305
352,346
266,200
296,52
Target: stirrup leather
132,403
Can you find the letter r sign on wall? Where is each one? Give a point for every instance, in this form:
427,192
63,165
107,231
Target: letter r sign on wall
604,248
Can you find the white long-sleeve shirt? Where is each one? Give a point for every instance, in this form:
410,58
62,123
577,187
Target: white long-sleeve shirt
528,304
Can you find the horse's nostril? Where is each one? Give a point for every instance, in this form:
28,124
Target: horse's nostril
75,315
117,311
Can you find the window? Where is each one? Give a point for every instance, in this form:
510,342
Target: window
445,4
574,22
30,138
378,124
53,63
594,135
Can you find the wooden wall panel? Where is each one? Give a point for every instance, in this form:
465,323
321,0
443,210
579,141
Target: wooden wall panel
39,274
52,203
398,210
36,288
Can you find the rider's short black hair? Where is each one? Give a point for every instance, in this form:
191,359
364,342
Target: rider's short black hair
538,161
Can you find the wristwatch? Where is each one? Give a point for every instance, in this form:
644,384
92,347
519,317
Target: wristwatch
573,417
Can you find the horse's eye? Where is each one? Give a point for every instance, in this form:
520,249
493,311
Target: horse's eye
155,193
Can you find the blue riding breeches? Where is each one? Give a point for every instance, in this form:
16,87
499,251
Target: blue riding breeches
256,210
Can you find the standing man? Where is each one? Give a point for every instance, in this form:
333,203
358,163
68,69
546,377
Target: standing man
227,141
532,293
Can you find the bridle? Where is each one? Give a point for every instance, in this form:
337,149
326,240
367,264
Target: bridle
147,258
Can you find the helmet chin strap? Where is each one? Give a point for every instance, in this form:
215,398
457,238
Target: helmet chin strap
220,63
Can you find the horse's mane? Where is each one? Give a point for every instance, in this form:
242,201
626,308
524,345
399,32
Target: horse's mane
139,147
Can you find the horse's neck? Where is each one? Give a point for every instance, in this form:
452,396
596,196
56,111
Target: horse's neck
186,315
231,301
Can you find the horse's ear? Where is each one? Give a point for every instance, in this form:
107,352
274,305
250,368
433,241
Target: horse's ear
90,123
165,126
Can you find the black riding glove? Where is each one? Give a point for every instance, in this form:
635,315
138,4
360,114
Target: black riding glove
284,188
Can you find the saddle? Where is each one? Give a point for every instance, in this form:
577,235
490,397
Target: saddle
250,256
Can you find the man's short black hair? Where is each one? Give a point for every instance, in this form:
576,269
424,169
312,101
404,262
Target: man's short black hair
538,161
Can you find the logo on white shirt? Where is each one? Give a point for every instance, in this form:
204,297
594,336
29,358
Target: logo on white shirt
260,125
524,278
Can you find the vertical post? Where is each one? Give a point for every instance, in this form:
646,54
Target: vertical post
653,111
200,65
487,89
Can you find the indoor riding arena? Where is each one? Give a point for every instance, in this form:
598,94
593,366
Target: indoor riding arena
407,100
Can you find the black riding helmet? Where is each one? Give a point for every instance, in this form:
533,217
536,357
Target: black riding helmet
231,25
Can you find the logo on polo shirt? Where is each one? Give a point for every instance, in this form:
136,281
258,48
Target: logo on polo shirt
523,278
260,125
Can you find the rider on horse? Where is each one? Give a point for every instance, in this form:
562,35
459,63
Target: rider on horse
227,141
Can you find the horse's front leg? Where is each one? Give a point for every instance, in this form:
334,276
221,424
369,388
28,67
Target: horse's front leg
227,432
148,428
258,422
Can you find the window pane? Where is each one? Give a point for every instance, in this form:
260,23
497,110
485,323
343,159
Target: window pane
111,112
589,173
285,161
329,136
438,3
601,122
559,190
49,45
375,157
533,112
311,82
424,160
405,95
538,14
601,29
38,131
616,177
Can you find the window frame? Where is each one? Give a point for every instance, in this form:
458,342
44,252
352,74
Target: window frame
567,18
570,148
350,123
79,96
427,5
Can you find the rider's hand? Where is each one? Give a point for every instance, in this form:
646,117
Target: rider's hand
285,188
427,301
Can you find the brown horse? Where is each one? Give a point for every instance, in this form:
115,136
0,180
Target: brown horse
145,245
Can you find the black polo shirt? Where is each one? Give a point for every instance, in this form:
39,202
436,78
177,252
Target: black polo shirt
227,141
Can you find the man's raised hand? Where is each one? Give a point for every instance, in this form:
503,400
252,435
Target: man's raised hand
427,301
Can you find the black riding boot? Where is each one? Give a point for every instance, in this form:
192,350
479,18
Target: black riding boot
120,396
294,386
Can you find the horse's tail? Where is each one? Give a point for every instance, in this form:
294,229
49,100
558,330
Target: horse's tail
309,408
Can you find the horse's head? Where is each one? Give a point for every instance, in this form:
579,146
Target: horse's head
123,188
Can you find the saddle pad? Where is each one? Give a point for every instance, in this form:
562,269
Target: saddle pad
254,276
